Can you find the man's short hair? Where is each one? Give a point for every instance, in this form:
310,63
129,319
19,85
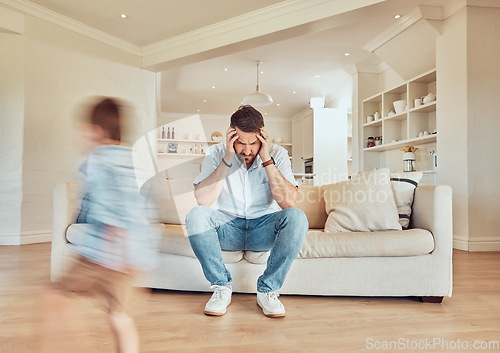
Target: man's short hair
106,114
247,119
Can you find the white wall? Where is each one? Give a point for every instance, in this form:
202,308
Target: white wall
11,135
451,65
62,69
483,92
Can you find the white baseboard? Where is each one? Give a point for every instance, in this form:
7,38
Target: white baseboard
36,237
23,238
484,244
460,243
10,239
476,244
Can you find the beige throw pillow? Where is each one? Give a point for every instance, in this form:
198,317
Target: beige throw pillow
362,204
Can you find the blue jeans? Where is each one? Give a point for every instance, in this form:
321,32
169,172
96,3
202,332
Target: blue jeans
282,232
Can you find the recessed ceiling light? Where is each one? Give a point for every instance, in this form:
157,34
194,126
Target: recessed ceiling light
347,54
213,87
198,110
124,16
397,16
225,69
294,92
278,104
317,76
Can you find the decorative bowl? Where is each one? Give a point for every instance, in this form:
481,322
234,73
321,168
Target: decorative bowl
216,136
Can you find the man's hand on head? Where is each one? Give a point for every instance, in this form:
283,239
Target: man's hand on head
264,149
231,137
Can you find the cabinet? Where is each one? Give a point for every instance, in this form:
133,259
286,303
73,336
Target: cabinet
413,125
321,135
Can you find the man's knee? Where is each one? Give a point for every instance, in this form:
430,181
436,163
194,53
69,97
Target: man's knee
199,219
296,219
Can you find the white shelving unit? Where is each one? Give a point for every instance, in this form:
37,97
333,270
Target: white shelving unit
185,148
416,125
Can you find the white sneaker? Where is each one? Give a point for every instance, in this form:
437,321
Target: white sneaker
219,301
270,304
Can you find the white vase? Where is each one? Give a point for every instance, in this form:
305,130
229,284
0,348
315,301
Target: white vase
409,161
409,156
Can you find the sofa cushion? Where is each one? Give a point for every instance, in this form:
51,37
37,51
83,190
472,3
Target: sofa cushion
311,201
256,257
362,204
171,238
174,240
411,242
403,186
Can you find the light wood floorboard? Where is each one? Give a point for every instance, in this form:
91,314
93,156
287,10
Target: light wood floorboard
172,321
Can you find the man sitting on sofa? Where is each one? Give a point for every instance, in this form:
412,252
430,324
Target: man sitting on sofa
242,185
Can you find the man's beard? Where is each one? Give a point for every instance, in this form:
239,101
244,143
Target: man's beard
247,159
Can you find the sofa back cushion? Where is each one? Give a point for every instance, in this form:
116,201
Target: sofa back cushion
312,202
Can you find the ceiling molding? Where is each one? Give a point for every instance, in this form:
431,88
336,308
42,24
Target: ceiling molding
452,8
367,69
483,3
418,13
261,22
72,25
11,21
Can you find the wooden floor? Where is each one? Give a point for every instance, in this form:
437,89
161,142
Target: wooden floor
172,321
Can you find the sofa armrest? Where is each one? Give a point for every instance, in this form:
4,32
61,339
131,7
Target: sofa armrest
65,211
432,210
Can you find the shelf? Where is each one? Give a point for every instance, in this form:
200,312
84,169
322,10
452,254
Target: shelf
400,116
191,155
376,123
391,146
185,141
304,174
426,108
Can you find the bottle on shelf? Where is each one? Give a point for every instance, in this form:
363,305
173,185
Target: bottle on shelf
173,133
163,132
168,133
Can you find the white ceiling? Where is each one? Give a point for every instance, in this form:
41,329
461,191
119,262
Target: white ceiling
289,64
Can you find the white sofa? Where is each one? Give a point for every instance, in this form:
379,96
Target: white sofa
414,262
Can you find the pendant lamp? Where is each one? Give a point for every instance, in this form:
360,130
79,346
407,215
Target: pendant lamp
258,98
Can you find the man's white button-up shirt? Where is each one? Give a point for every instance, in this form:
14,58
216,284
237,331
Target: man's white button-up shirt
246,192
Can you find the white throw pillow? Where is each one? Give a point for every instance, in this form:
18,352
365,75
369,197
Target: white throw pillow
403,186
362,204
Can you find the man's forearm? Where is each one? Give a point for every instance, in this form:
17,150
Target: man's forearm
283,191
210,188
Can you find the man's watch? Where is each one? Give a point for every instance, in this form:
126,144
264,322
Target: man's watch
269,162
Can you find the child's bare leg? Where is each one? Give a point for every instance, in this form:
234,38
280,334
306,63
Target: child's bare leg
60,323
125,332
